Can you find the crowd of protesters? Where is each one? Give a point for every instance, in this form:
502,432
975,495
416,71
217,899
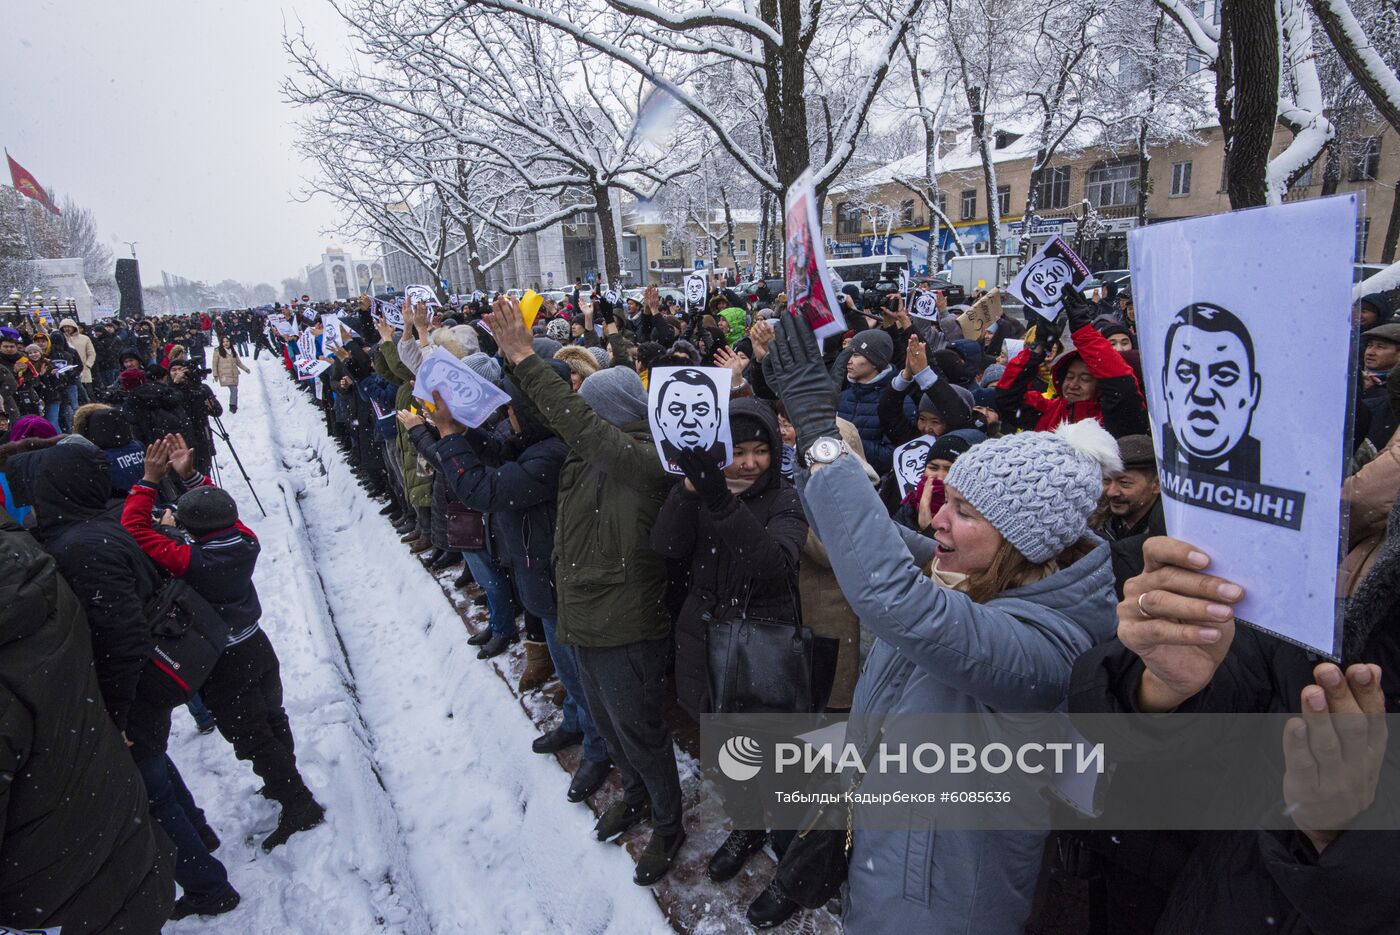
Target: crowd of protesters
1028,570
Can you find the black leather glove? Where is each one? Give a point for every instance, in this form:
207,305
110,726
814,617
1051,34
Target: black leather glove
794,369
706,477
1077,309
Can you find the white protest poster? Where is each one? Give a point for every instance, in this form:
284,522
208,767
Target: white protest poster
695,291
612,296
330,332
308,368
469,396
910,459
904,281
688,407
60,367
425,294
804,265
1042,282
285,328
925,306
390,312
1223,305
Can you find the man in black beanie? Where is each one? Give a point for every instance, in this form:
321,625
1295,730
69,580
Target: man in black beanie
244,691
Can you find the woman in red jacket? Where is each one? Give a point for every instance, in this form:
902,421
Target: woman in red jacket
1093,381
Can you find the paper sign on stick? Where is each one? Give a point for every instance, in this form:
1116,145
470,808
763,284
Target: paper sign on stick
1221,303
807,278
1042,282
982,313
470,397
688,407
696,289
925,306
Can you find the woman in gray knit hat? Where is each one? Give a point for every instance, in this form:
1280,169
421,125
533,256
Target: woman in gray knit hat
988,616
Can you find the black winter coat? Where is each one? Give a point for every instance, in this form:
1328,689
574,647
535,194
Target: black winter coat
517,486
1243,881
77,847
750,552
155,410
68,486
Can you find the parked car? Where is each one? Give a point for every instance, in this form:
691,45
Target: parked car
1360,272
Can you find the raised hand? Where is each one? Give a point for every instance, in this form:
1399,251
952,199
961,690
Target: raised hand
1333,753
157,461
651,299
724,357
915,357
761,335
1179,620
794,368
181,456
508,327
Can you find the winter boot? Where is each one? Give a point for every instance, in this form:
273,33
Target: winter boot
190,905
556,739
538,667
619,818
465,578
480,637
588,779
734,853
420,545
210,839
445,561
657,857
432,557
390,509
496,645
303,817
410,532
772,907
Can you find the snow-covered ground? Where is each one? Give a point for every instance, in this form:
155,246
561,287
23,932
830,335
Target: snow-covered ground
439,818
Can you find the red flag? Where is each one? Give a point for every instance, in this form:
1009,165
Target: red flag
27,184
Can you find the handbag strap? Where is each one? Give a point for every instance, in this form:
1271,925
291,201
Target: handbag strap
793,594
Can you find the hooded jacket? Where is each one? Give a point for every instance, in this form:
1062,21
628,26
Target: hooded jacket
859,404
68,485
745,557
156,410
1119,405
938,651
610,584
735,322
77,847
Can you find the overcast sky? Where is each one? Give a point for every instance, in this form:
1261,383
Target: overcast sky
164,118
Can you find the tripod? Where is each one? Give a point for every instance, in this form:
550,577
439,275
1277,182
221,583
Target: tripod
223,433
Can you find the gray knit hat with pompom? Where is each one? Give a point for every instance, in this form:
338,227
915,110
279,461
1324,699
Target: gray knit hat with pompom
1038,488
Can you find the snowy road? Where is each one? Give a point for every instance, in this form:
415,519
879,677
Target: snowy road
439,818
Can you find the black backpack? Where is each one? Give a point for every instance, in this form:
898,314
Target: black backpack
189,635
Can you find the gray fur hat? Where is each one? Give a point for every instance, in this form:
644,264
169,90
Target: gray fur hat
616,394
1038,488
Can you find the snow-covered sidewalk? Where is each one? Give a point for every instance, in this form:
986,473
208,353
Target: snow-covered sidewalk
439,818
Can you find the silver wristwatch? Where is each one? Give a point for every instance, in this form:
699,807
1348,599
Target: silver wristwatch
826,450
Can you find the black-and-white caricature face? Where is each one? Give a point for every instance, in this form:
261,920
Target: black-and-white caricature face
1209,381
687,410
910,464
1046,280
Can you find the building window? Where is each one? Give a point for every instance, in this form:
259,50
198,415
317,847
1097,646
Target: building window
1365,160
1181,179
665,248
847,218
969,204
1112,184
1194,62
1003,200
943,203
1363,238
743,248
1225,171
1305,179
631,246
906,214
1052,191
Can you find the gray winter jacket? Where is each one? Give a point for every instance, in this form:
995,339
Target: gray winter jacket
939,652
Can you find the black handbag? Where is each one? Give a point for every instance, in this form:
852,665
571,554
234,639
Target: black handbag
188,633
816,863
762,666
